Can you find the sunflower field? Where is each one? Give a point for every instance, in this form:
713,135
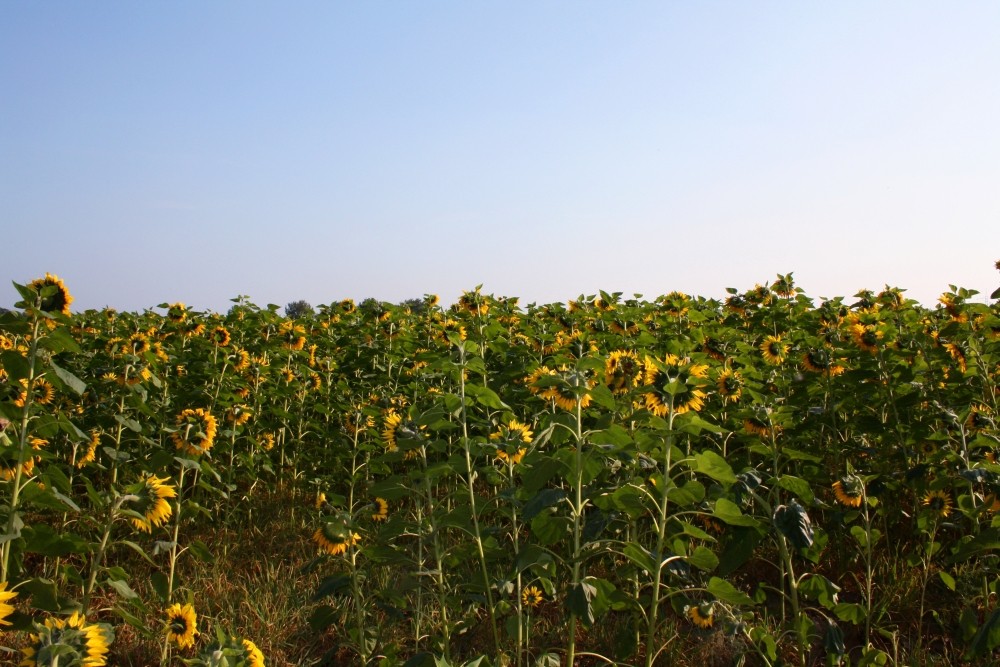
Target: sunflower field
764,480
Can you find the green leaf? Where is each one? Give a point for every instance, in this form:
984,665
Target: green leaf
726,592
578,600
201,551
601,395
947,579
640,556
713,465
703,558
15,364
798,486
818,587
987,637
793,522
850,612
77,385
729,512
122,588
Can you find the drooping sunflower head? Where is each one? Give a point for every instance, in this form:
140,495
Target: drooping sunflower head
293,336
980,417
957,354
182,625
195,432
702,615
51,294
334,538
78,642
938,502
220,336
674,385
177,312
730,385
151,502
6,609
531,596
474,302
137,344
42,392
774,350
239,414
866,336
849,490
574,386
252,654
381,512
510,439
622,371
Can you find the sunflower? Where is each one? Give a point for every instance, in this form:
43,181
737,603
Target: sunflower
866,336
53,297
42,393
137,344
320,500
182,625
730,385
978,419
392,422
381,512
253,656
239,358
759,427
509,439
238,415
673,385
267,441
622,371
71,636
474,302
774,350
6,609
531,596
292,335
565,394
329,540
702,615
849,491
315,381
451,326
938,502
347,306
544,391
819,361
220,336
958,354
177,312
195,431
152,493
193,328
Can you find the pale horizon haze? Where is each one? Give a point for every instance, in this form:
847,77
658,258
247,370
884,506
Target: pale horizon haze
195,152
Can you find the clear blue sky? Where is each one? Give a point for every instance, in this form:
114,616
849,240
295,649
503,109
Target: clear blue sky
196,151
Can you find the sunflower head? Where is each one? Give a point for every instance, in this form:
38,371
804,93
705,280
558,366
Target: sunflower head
151,502
62,638
531,596
702,615
938,502
51,295
381,512
730,385
849,490
6,609
195,432
774,350
622,371
334,538
673,385
181,625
